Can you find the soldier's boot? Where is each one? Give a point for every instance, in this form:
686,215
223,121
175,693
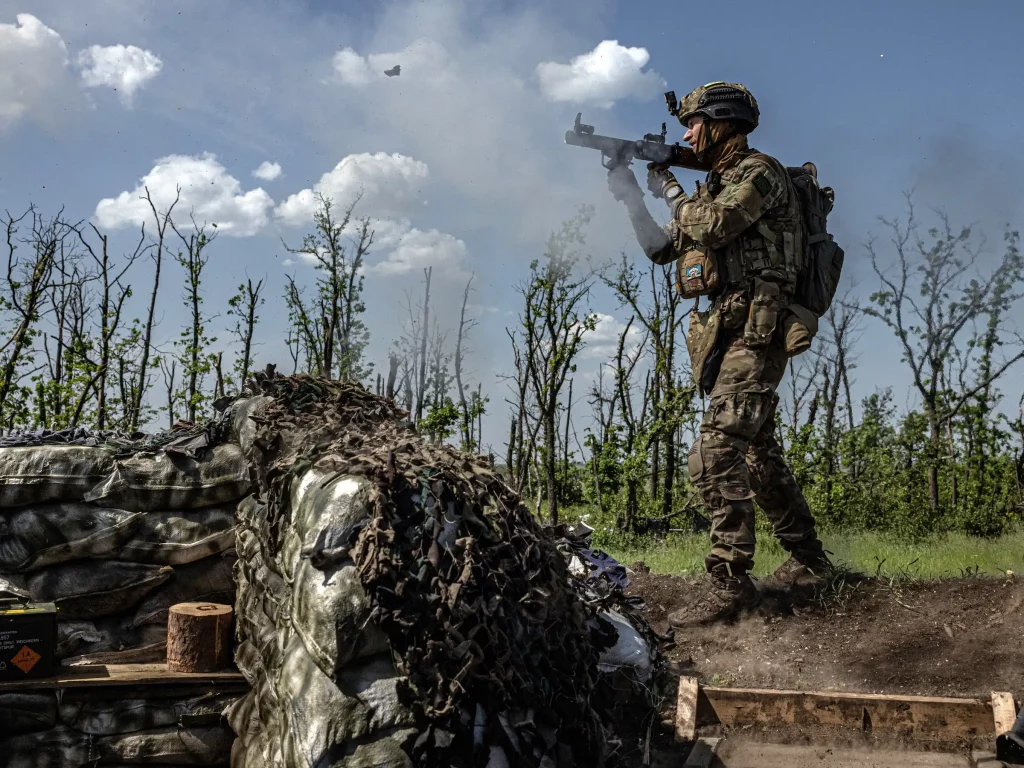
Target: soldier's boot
807,572
718,597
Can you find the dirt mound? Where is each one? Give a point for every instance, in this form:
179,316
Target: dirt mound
958,638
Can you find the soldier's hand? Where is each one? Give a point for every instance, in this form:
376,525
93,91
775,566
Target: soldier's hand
659,179
623,184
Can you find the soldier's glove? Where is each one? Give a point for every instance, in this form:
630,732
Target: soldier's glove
662,182
623,185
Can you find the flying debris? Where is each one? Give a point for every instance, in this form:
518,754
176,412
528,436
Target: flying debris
394,71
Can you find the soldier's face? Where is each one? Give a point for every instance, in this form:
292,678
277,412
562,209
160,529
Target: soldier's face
694,126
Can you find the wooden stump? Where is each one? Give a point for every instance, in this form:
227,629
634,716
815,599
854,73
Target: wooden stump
198,637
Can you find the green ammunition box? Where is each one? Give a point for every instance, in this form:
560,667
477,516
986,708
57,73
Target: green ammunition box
28,640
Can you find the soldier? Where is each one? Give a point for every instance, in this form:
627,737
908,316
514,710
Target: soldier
740,241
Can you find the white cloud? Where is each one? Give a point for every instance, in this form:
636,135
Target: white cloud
33,68
603,341
267,171
389,185
601,77
125,68
422,61
418,249
207,190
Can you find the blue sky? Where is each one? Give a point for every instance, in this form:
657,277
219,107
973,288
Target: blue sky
461,156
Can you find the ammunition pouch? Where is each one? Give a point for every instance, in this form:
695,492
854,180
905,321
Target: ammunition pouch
700,339
697,274
735,309
799,327
762,319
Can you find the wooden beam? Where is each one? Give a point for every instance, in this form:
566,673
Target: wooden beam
703,753
686,709
97,676
1004,711
920,717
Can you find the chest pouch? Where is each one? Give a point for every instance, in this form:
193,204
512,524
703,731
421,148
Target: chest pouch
697,274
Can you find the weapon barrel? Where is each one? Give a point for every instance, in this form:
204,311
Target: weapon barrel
606,144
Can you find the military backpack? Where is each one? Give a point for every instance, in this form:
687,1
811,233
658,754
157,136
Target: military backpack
823,260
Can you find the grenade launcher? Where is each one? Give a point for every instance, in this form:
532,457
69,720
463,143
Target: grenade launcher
652,148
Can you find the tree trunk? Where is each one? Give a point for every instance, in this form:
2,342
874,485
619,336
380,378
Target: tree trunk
565,441
198,637
933,465
392,375
550,462
421,382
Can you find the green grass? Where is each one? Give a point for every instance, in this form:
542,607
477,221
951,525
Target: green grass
932,558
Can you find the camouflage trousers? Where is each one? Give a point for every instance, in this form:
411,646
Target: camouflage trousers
737,460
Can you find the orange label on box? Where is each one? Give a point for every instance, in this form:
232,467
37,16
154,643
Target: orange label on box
25,659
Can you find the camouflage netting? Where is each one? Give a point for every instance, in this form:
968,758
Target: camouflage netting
398,605
114,530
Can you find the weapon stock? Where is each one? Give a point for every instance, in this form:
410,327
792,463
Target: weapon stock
652,148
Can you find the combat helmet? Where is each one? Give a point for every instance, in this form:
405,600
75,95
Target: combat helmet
720,101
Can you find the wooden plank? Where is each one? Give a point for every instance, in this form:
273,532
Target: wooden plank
702,754
95,676
921,717
747,754
686,709
1004,711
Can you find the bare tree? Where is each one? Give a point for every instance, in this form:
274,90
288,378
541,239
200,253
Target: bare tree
929,300
161,222
421,379
553,323
329,329
658,312
169,371
465,326
113,294
28,282
243,306
196,361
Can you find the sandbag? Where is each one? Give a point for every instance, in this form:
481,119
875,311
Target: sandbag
168,746
177,538
109,717
243,429
76,636
92,589
320,717
326,510
243,718
58,747
331,614
384,752
80,642
206,580
252,515
42,474
42,535
27,713
163,481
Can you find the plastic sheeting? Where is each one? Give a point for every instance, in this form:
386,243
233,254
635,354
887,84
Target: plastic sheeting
180,537
153,482
51,534
50,473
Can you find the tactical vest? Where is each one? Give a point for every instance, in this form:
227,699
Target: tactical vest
773,247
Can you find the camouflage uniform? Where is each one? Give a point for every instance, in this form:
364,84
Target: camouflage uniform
745,220
754,228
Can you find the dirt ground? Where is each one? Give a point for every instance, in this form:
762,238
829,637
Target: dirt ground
959,638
